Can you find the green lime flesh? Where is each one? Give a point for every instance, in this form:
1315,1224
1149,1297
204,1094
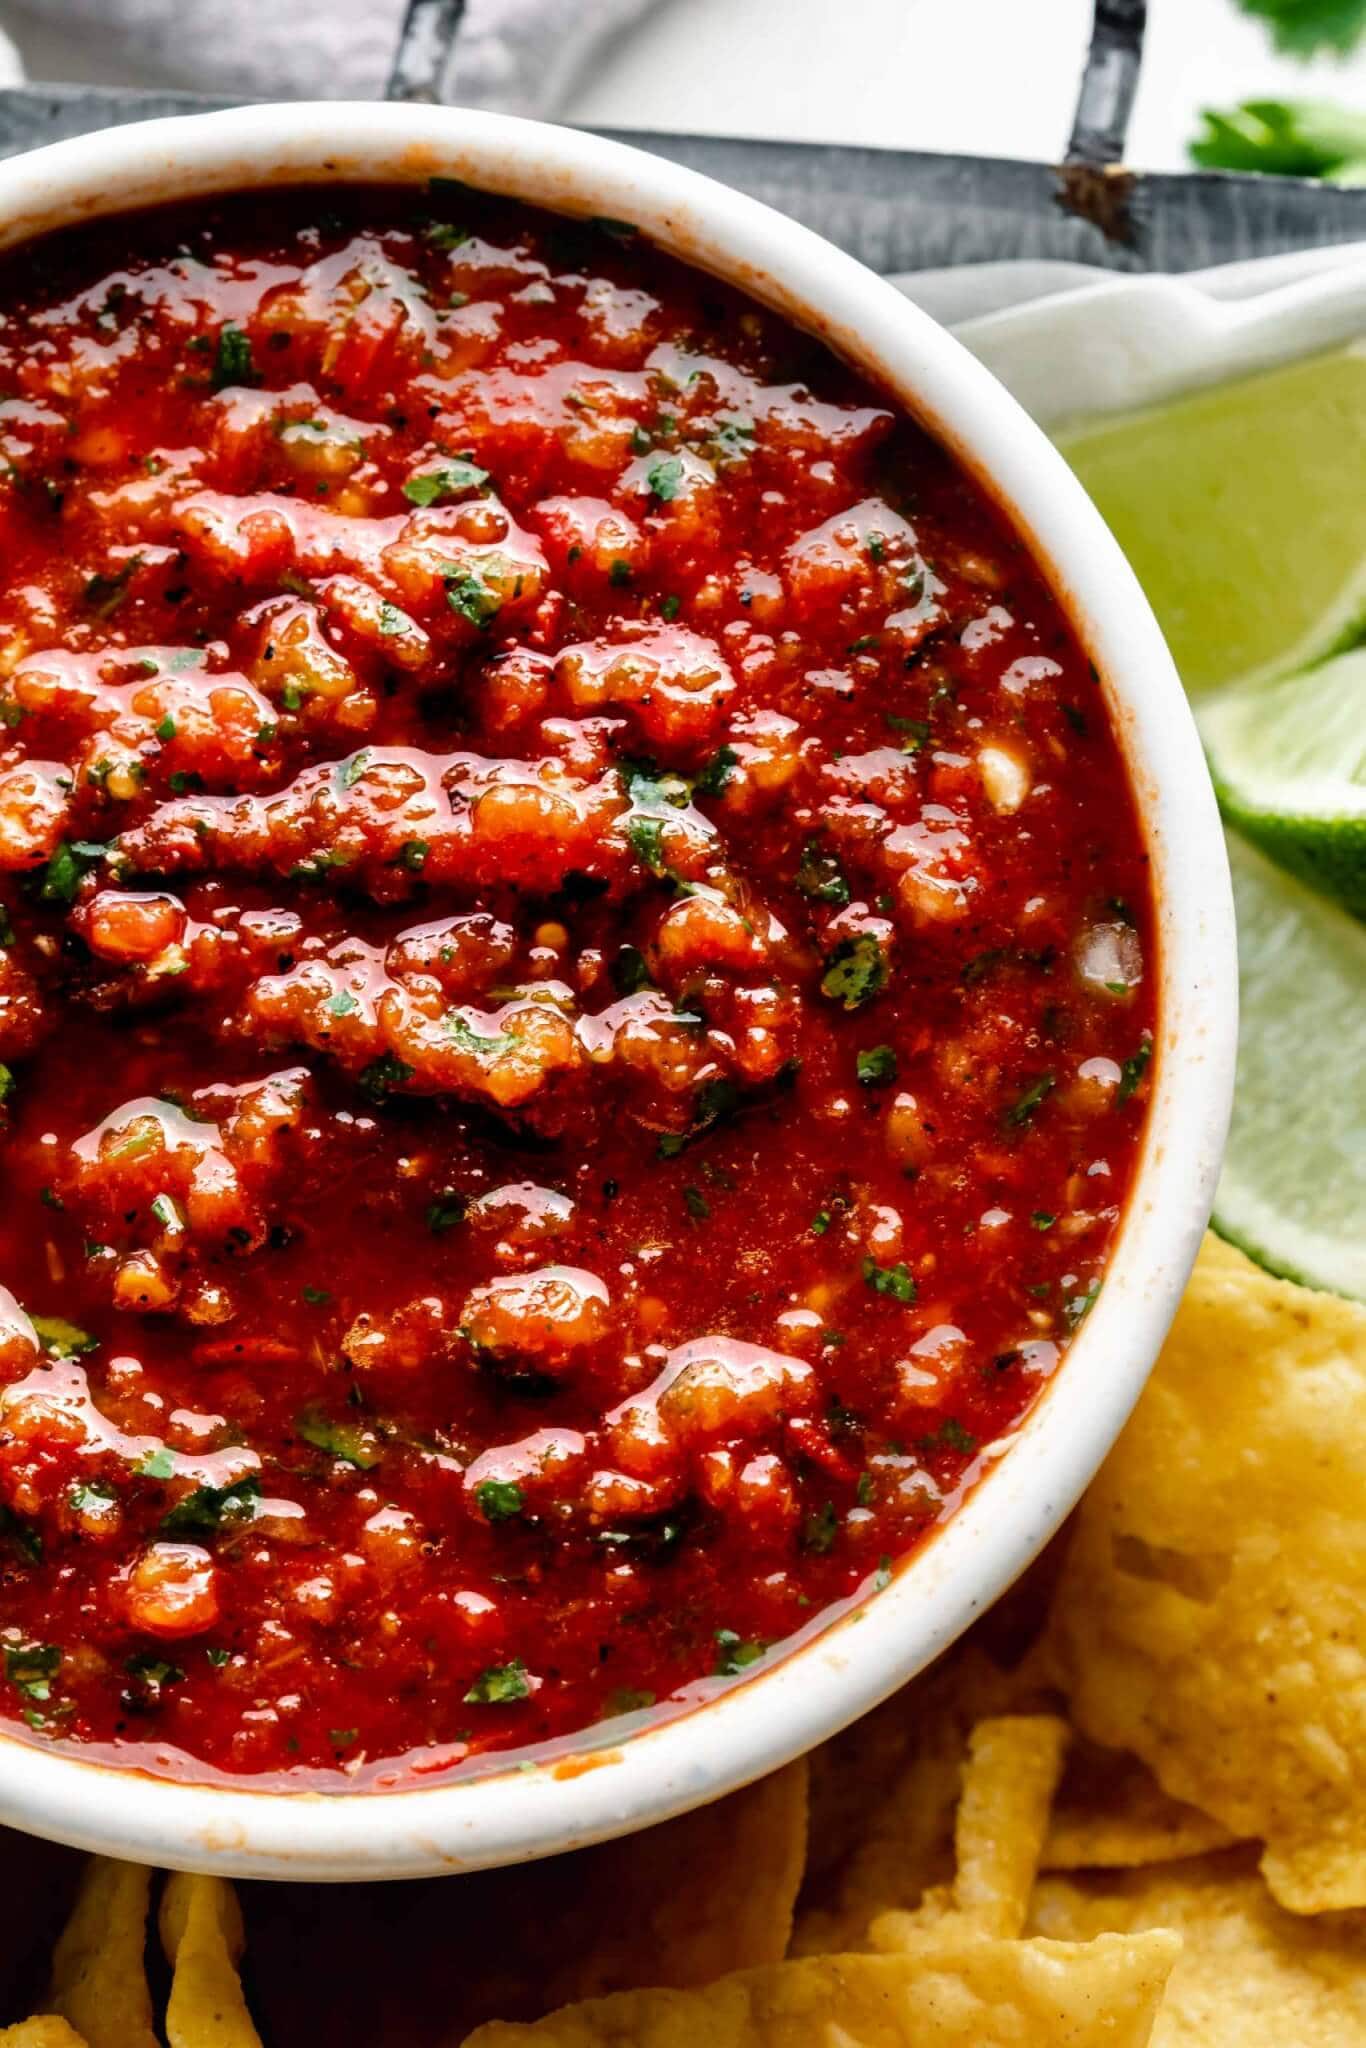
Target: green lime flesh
1288,756
1293,1188
1242,510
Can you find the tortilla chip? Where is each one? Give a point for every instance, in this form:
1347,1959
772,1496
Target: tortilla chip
906,1847
1210,1615
201,1933
1111,1814
1250,1975
960,1991
1012,1772
99,1973
47,2032
426,1962
1009,1779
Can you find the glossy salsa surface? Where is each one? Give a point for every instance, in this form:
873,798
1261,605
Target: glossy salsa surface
575,998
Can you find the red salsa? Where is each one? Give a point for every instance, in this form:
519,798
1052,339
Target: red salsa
575,984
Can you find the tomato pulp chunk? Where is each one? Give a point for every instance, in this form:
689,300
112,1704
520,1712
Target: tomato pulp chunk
575,984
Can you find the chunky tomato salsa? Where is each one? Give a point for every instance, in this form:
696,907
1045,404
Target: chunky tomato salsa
575,984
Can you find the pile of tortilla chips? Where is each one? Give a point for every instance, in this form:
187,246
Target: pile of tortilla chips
1130,1809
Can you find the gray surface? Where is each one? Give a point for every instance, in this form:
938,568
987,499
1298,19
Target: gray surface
898,210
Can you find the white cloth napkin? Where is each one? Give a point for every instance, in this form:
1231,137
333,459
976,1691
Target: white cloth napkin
518,56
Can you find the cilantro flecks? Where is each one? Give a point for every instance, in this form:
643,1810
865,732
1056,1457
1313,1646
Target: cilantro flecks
349,1442
915,732
665,477
630,972
733,1654
500,1500
877,1066
855,971
472,596
714,777
951,1436
483,1047
716,1100
64,872
382,1076
647,842
1024,1109
31,1667
207,1509
232,363
820,876
1132,1071
452,480
896,1281
499,1685
820,1529
1077,1307
61,1338
104,594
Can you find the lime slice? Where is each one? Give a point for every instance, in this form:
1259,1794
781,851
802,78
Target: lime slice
1288,758
1293,1189
1242,510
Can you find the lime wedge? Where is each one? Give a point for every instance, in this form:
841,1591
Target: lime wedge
1288,758
1242,510
1293,1189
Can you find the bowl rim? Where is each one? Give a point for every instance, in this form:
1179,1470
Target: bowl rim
611,1786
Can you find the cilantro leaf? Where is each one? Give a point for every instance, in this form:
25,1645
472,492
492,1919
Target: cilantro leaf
951,1436
1303,27
232,363
32,1667
499,1684
382,1075
665,477
630,972
452,480
820,876
66,869
855,971
734,1654
104,594
714,777
647,842
483,1047
348,1441
204,1511
1025,1108
877,1066
819,1530
63,1339
472,596
1292,138
1132,1071
499,1499
898,1282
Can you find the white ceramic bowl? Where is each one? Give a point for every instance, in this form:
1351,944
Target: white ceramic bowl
836,1674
